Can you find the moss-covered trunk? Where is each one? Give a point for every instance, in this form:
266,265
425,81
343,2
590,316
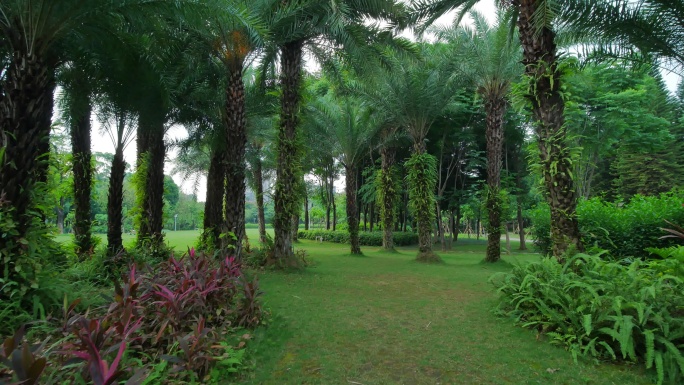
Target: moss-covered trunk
352,208
541,67
288,154
80,110
115,203
387,194
26,101
495,108
152,150
422,180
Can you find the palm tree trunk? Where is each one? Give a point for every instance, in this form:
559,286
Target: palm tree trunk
213,206
541,66
236,141
115,203
259,182
422,180
83,174
495,107
295,228
152,203
26,98
352,208
334,208
287,170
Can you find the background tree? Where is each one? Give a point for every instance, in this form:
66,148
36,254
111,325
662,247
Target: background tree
487,56
351,127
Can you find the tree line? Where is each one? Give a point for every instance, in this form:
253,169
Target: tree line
232,72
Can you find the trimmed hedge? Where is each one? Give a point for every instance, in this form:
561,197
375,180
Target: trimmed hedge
625,230
365,238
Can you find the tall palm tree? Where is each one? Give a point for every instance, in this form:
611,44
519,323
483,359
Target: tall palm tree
487,56
77,106
323,28
237,39
535,21
351,127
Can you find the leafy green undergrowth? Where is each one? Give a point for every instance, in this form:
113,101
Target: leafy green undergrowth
386,319
182,321
613,311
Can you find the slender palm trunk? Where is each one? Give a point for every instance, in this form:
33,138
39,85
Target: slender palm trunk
236,141
115,203
153,150
213,206
422,181
259,182
306,212
352,208
541,66
83,174
287,171
495,110
334,206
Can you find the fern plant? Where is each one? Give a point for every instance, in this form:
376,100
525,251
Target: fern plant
601,309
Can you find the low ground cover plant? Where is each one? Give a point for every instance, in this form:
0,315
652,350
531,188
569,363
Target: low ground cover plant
174,319
602,309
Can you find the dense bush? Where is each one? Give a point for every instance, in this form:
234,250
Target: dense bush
365,238
624,230
172,321
603,309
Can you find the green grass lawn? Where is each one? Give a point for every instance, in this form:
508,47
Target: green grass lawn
385,319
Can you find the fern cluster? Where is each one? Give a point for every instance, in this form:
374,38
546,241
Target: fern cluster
604,310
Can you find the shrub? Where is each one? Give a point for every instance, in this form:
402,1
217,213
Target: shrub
602,309
180,311
624,230
365,238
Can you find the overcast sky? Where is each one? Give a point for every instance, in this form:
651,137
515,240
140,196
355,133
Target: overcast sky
102,143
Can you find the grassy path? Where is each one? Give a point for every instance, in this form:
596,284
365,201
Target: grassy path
384,319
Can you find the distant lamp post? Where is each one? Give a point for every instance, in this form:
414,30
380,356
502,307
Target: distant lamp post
174,221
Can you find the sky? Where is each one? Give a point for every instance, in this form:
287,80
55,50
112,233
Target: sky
102,143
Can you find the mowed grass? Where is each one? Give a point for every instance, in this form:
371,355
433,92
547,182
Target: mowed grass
384,319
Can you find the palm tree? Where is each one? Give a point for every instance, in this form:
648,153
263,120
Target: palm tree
322,28
236,41
486,55
351,128
77,106
535,21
